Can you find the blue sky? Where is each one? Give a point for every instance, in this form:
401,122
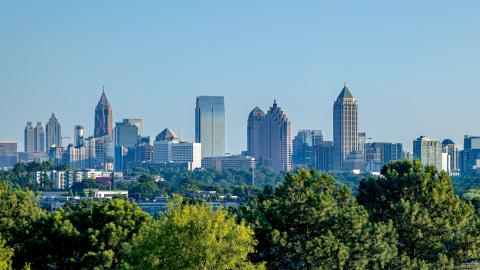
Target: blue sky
412,65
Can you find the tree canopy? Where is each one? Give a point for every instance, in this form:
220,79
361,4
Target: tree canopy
193,236
434,225
308,222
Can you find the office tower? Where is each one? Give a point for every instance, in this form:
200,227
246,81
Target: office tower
78,135
235,162
345,128
276,144
144,150
210,125
303,143
428,151
362,140
449,148
54,132
8,154
384,152
39,135
103,118
254,126
29,138
127,132
323,156
168,148
136,122
469,158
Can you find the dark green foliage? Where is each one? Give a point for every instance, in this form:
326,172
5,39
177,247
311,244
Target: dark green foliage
434,225
310,223
90,235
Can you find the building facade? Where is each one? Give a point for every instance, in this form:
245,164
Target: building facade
168,148
54,132
39,138
428,151
8,154
78,135
210,125
254,134
451,150
303,143
236,162
345,128
127,132
103,118
323,156
29,138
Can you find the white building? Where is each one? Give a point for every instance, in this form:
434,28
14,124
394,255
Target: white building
168,148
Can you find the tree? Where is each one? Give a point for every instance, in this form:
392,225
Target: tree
309,222
434,225
19,209
192,237
6,254
91,235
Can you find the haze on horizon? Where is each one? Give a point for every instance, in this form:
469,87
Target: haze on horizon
412,65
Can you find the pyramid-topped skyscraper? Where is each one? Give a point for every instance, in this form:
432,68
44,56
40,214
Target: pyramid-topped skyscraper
345,127
103,117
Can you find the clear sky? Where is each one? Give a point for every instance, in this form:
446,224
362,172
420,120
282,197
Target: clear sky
412,65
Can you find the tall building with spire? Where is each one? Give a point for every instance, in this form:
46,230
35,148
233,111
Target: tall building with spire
103,117
254,135
345,128
54,132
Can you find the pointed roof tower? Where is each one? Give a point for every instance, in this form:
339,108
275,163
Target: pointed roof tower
345,93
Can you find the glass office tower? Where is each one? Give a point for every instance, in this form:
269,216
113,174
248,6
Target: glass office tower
210,125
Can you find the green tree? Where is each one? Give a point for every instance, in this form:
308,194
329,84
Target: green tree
193,237
434,225
19,209
91,235
6,254
309,222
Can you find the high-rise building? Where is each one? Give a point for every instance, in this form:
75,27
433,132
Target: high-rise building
236,162
451,150
78,135
469,157
276,143
54,132
323,156
29,138
103,118
428,151
168,148
39,135
127,132
210,125
384,152
303,143
8,154
254,135
345,128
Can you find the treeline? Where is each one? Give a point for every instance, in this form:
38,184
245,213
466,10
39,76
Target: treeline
409,218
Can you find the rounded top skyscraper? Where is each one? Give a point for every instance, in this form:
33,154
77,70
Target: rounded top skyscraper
345,127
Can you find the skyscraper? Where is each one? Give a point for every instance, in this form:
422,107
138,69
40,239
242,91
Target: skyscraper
39,138
345,127
254,125
323,156
449,147
78,135
54,132
276,143
303,147
103,117
210,125
29,138
127,132
428,151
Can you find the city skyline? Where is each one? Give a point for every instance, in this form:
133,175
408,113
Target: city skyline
297,54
